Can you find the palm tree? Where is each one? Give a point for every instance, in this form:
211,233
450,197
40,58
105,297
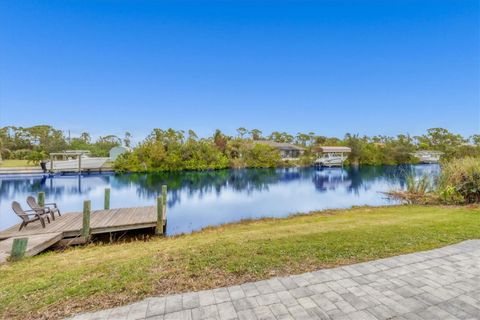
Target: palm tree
127,139
311,135
302,138
242,132
256,134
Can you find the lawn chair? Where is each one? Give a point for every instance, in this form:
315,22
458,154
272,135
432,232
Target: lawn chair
29,217
49,208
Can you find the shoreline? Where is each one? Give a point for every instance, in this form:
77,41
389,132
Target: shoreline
20,170
34,171
4,171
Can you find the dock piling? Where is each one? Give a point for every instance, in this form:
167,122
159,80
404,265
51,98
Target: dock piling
159,227
86,219
106,205
41,199
164,200
19,247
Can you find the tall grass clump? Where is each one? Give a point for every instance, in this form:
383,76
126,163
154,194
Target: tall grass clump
419,190
458,183
420,186
459,180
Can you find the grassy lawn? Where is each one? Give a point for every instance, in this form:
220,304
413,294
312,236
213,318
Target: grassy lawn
56,284
16,163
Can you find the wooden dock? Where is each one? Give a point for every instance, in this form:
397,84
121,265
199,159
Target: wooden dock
36,244
70,225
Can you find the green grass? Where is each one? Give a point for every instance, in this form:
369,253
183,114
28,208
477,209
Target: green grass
16,163
57,284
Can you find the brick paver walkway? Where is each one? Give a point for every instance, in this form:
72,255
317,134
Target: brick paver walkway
437,284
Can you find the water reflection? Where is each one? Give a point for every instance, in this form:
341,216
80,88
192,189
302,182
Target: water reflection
198,199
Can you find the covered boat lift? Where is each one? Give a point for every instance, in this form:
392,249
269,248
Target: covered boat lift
74,161
332,156
428,156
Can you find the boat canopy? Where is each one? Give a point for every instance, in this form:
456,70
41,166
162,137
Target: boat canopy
428,152
335,149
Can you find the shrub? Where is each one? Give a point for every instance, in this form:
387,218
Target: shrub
458,183
419,186
418,191
262,156
36,156
461,177
21,154
449,195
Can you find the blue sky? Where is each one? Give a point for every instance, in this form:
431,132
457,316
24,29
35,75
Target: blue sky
368,67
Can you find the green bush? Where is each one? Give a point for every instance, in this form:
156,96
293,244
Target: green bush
450,195
262,156
153,155
458,183
461,177
21,154
36,156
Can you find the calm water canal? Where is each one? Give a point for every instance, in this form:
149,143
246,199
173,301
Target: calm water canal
199,199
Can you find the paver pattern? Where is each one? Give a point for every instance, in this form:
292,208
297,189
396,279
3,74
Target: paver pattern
438,284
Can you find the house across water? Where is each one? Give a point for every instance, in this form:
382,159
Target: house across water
288,151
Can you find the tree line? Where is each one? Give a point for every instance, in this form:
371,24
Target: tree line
172,150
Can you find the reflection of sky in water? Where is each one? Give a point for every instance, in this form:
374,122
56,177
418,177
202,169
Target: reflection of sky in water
199,199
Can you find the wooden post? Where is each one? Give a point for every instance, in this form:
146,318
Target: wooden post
159,228
51,163
106,205
164,201
79,163
86,219
41,199
19,247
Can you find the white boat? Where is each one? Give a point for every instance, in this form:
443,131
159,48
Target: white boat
332,156
73,161
428,156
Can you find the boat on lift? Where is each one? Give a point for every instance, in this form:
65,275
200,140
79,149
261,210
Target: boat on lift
74,161
428,156
332,156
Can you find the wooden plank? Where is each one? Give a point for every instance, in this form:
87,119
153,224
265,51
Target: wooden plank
70,242
35,244
108,219
124,228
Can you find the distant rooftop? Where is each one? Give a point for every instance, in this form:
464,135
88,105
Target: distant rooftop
335,149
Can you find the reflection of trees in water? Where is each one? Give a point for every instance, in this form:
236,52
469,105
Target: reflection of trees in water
198,183
10,187
53,186
355,179
363,177
201,183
